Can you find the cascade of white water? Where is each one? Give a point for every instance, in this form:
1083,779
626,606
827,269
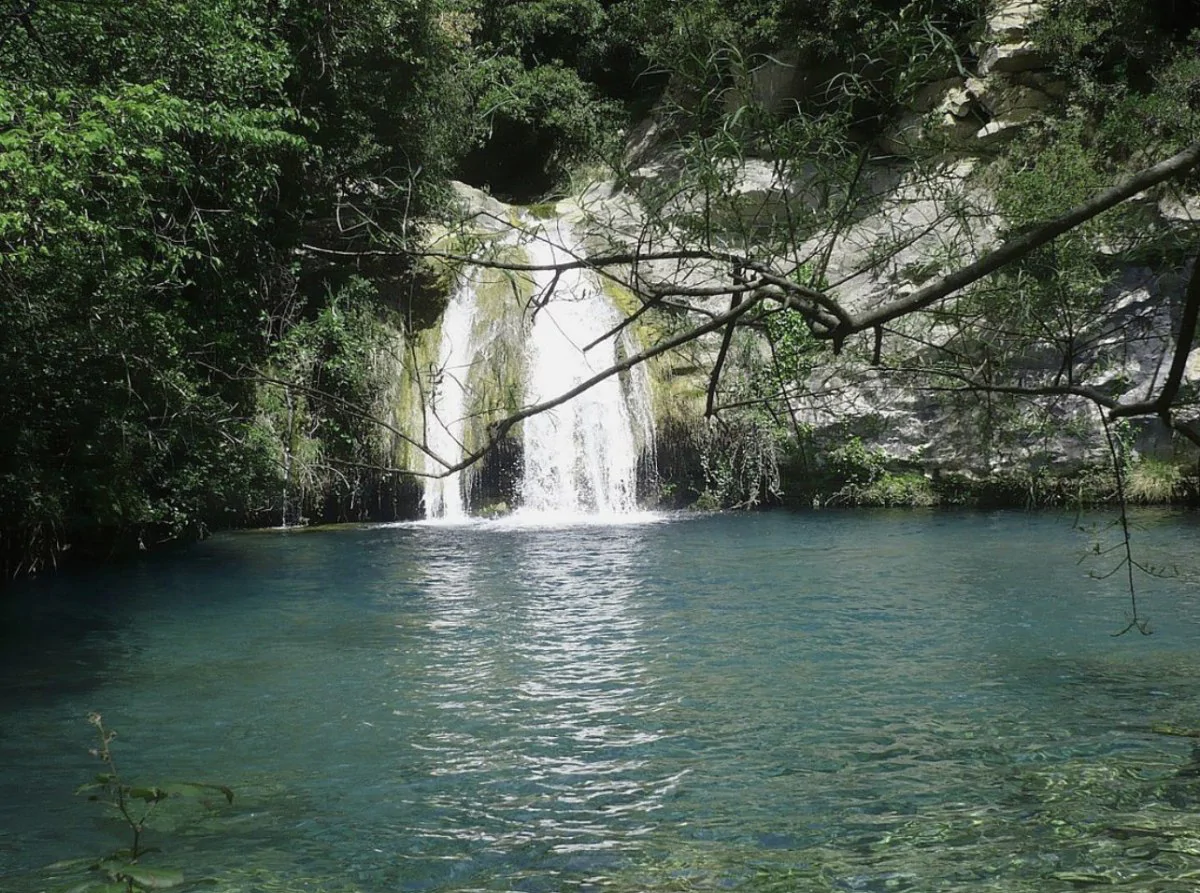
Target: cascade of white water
446,409
581,457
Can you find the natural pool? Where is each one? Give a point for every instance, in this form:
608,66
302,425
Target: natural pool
826,701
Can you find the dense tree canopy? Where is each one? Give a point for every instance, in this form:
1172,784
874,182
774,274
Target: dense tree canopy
161,163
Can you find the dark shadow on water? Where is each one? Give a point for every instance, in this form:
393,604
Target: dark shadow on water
68,633
56,635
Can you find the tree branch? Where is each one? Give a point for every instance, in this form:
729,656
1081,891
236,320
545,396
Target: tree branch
589,263
714,378
1018,247
1067,390
1161,405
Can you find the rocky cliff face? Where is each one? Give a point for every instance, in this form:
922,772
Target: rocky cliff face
925,225
913,224
1013,85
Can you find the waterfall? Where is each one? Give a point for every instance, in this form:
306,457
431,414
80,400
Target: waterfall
446,407
581,457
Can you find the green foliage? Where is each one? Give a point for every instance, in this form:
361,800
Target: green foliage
856,464
124,250
742,446
537,123
857,475
161,163
1055,292
318,403
380,87
539,32
1154,482
135,807
545,81
1133,73
862,57
794,350
132,237
895,490
739,458
1132,79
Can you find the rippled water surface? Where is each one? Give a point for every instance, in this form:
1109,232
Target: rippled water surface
781,702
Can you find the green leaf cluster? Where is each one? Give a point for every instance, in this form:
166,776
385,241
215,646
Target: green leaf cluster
862,58
161,165
536,124
546,82
1133,70
319,399
133,806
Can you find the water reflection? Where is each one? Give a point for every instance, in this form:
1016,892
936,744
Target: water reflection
590,696
542,705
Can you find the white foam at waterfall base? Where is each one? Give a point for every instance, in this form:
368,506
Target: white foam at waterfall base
580,458
446,410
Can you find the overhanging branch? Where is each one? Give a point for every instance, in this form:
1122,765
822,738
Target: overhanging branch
1018,247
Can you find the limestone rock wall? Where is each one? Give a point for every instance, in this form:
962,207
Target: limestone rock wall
1013,84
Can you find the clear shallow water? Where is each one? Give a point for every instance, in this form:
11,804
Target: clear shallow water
891,701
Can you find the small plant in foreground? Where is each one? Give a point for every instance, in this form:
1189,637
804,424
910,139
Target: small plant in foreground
121,871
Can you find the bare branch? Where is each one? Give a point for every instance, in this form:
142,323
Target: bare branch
1118,466
1161,405
589,263
714,378
1065,390
1018,247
